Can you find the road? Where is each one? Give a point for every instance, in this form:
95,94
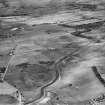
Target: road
58,72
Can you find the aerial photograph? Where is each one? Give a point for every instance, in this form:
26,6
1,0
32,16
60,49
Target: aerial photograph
52,52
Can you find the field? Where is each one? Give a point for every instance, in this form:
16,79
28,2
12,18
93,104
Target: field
53,51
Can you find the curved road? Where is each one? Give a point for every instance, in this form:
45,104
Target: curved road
43,88
56,65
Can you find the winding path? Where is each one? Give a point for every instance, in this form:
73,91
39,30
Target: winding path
42,90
